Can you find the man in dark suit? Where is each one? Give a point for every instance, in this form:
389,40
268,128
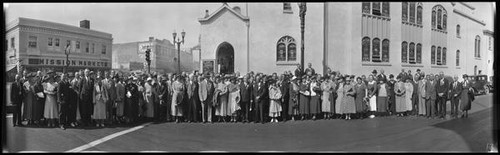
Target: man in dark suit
162,90
382,76
64,99
430,96
86,91
74,104
299,72
246,96
193,99
259,95
442,92
455,93
283,84
16,98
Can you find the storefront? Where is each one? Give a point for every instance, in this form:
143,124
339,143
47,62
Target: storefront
58,65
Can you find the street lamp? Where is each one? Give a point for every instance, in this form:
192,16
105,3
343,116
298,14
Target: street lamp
178,42
67,51
302,15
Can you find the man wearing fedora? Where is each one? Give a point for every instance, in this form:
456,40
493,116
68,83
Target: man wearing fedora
86,90
16,98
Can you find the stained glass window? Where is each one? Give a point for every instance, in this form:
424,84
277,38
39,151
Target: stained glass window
376,8
433,19
439,19
385,50
419,53
286,49
433,55
444,21
404,52
292,52
411,54
281,52
443,61
419,15
365,49
376,50
458,58
385,9
405,11
412,12
438,56
366,7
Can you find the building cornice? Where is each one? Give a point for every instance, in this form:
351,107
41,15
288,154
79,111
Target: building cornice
468,16
489,33
467,5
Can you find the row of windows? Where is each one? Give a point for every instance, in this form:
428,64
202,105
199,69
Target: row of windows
439,18
376,8
439,57
372,53
286,49
414,8
414,55
55,42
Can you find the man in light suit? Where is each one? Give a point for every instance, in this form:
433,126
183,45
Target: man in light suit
442,91
110,87
246,97
455,93
430,96
203,96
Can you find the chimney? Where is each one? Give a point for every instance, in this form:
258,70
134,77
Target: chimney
85,24
151,38
206,13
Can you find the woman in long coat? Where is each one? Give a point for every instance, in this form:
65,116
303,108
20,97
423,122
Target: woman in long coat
372,95
349,91
233,99
120,97
293,102
340,97
409,96
221,109
421,96
466,97
304,98
131,106
177,98
382,102
30,99
360,97
399,89
326,88
51,109
314,103
391,95
275,102
100,97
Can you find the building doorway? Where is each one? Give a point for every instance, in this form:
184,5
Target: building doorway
225,58
475,70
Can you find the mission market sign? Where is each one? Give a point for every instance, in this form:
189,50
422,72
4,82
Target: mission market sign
59,62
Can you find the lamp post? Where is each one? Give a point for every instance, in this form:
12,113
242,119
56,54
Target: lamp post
67,51
178,42
302,15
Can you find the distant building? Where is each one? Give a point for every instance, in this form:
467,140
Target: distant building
350,37
40,45
127,56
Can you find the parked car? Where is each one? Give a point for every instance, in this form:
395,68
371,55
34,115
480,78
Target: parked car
480,84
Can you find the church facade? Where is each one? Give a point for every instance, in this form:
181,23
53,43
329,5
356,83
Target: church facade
350,37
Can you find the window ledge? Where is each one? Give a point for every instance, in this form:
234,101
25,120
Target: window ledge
412,65
375,64
288,11
478,58
377,16
439,66
287,63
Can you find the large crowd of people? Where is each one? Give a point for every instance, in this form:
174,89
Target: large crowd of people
85,98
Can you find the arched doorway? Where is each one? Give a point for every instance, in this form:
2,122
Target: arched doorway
225,58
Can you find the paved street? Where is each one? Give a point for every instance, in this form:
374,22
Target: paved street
387,134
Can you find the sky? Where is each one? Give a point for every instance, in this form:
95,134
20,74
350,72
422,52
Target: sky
130,22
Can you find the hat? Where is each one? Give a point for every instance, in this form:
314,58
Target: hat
294,77
149,79
374,71
30,75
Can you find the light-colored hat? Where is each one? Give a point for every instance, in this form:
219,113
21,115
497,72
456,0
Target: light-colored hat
149,79
294,77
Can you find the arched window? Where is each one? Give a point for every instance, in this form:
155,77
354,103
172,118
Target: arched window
411,54
477,47
443,57
433,55
419,14
365,49
412,12
458,58
376,50
366,7
438,55
458,31
405,11
287,7
376,8
419,53
404,52
385,9
433,19
285,49
385,50
439,13
444,21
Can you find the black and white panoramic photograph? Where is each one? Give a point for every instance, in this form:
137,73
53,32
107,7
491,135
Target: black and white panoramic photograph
217,77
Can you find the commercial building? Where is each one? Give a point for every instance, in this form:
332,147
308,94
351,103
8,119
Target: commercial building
37,45
350,37
127,56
